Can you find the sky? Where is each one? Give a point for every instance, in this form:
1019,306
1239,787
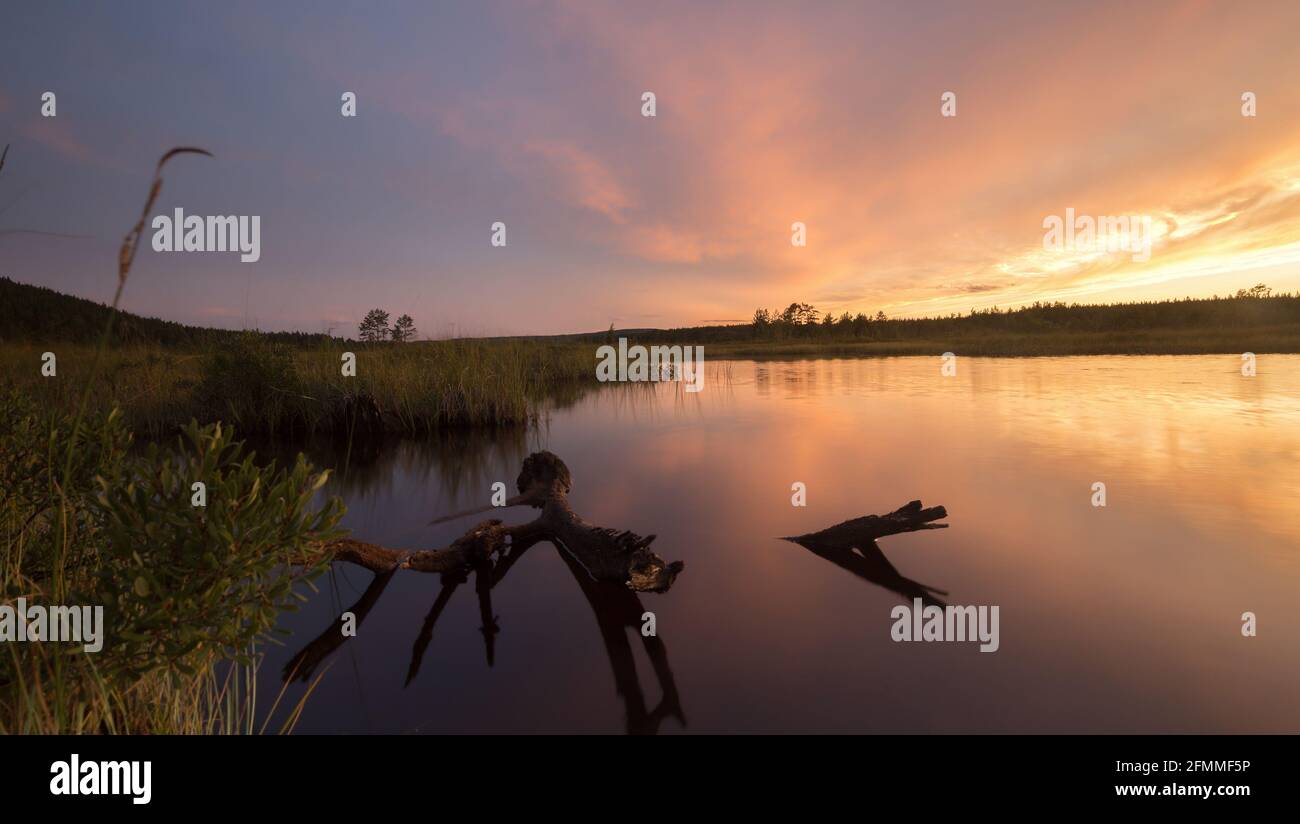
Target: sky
530,114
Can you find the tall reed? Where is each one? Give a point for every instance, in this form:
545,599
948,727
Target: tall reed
187,591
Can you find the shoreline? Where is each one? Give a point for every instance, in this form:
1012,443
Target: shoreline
415,389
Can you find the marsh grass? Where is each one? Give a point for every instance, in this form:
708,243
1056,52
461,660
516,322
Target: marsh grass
187,593
71,697
423,386
263,387
270,388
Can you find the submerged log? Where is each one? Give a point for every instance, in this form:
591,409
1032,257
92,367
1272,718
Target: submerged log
851,545
544,483
857,532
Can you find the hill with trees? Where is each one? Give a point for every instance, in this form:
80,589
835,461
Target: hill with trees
37,314
1252,317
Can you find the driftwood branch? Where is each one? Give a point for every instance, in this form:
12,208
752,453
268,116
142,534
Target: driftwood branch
907,518
608,566
544,483
851,545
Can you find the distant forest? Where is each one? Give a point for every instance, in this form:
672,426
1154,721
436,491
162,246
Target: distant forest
1248,309
36,314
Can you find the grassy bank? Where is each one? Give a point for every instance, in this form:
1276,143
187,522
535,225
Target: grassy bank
164,374
262,386
271,388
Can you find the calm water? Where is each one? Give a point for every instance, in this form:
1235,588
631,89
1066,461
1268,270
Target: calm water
1118,619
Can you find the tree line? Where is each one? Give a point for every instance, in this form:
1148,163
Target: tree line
801,320
1255,306
374,328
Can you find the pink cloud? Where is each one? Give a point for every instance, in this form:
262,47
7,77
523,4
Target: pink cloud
55,135
768,114
586,179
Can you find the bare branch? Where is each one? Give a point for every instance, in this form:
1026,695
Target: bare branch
544,482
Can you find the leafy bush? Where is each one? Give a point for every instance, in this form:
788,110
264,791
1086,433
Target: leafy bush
184,588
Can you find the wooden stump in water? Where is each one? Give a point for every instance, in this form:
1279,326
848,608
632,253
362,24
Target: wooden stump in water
544,483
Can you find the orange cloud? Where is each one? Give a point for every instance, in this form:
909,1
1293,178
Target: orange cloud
772,113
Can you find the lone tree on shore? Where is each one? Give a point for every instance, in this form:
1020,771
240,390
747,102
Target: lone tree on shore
375,326
404,329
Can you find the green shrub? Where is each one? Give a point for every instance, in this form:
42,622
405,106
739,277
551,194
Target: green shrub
184,588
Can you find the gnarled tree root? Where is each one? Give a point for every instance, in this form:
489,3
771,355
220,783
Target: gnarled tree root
544,483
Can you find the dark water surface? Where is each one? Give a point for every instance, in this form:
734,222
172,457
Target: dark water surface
1118,619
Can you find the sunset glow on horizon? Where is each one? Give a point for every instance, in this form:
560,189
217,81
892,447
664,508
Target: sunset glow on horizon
767,114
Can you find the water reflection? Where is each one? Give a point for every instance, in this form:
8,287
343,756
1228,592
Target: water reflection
616,608
370,466
304,663
1117,619
866,560
618,611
